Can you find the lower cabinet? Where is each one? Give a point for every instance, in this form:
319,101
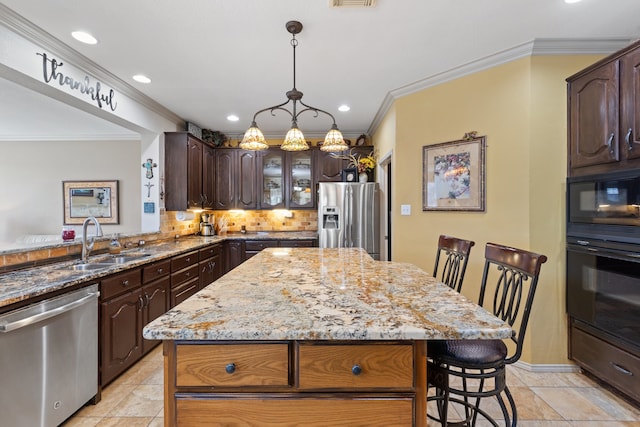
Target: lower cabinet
210,263
185,277
233,254
126,306
295,383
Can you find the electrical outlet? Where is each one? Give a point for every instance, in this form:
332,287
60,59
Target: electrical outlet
405,209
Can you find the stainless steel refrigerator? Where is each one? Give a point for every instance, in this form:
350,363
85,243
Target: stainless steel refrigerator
348,216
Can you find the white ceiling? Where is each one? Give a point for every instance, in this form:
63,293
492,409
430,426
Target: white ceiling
211,58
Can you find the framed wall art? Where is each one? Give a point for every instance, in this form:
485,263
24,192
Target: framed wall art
453,175
90,198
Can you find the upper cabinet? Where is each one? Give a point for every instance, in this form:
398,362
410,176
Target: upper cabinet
604,114
188,172
286,179
236,179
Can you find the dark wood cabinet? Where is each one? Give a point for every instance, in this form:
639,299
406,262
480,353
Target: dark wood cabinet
128,301
185,277
286,179
328,168
188,172
210,264
236,179
121,323
604,115
252,247
233,254
155,297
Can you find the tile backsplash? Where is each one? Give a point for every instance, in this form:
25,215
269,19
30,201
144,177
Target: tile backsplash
265,220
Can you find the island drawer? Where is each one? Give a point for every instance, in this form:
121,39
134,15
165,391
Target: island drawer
292,410
232,365
120,283
323,366
156,270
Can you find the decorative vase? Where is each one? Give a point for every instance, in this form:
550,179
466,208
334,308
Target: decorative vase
362,177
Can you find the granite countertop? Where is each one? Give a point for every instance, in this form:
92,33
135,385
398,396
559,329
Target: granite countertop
325,294
21,285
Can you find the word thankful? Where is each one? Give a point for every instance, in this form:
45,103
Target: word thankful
50,71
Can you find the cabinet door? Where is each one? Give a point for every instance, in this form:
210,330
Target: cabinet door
300,184
630,107
271,179
155,296
194,173
175,176
224,181
121,324
593,106
247,179
234,255
208,177
328,168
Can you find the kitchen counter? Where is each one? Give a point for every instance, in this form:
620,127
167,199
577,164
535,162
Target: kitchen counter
21,285
312,293
310,336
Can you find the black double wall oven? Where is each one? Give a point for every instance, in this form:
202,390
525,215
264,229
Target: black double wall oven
603,276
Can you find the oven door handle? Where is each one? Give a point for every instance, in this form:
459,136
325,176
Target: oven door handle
606,252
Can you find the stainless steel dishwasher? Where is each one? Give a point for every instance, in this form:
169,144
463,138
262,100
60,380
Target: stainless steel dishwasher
49,359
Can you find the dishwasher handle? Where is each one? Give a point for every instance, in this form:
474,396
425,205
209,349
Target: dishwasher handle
30,320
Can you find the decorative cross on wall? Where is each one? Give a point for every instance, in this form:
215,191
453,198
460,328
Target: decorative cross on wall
149,165
148,185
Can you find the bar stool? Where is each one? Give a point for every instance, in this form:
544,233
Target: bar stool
456,252
479,365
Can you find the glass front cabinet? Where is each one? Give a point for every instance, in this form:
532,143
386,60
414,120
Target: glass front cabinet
286,181
299,170
272,185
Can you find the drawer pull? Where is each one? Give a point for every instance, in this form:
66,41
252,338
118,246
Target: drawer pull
188,259
159,271
356,370
125,283
621,369
230,368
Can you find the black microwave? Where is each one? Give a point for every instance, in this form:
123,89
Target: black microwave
604,204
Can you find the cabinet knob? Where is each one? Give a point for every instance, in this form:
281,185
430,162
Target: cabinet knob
356,370
160,270
125,283
230,368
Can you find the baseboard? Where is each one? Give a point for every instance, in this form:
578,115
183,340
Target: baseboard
569,367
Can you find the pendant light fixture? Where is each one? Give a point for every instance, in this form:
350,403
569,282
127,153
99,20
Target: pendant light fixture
294,140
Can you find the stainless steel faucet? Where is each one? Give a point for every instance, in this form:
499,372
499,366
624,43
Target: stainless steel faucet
87,246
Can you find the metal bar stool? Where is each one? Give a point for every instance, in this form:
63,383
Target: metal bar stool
465,371
456,252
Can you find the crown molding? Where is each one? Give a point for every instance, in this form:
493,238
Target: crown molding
537,47
38,36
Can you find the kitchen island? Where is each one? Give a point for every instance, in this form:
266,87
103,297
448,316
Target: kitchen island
311,337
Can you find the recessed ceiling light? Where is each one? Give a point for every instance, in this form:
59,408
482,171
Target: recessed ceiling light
233,118
141,78
344,108
84,37
572,1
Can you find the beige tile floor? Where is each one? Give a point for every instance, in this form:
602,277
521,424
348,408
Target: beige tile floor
543,400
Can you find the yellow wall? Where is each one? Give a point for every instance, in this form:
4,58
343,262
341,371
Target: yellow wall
521,108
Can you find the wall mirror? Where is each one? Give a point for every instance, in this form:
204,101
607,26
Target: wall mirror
90,198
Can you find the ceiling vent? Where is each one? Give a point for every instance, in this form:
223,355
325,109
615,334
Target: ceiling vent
352,3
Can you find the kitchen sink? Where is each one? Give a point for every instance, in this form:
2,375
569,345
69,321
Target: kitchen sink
121,259
88,266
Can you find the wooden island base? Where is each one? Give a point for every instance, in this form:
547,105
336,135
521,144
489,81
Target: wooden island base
294,383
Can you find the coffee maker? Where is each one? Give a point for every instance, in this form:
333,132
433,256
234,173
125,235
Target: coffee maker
206,228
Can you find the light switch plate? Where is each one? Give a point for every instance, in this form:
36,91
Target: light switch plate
405,209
